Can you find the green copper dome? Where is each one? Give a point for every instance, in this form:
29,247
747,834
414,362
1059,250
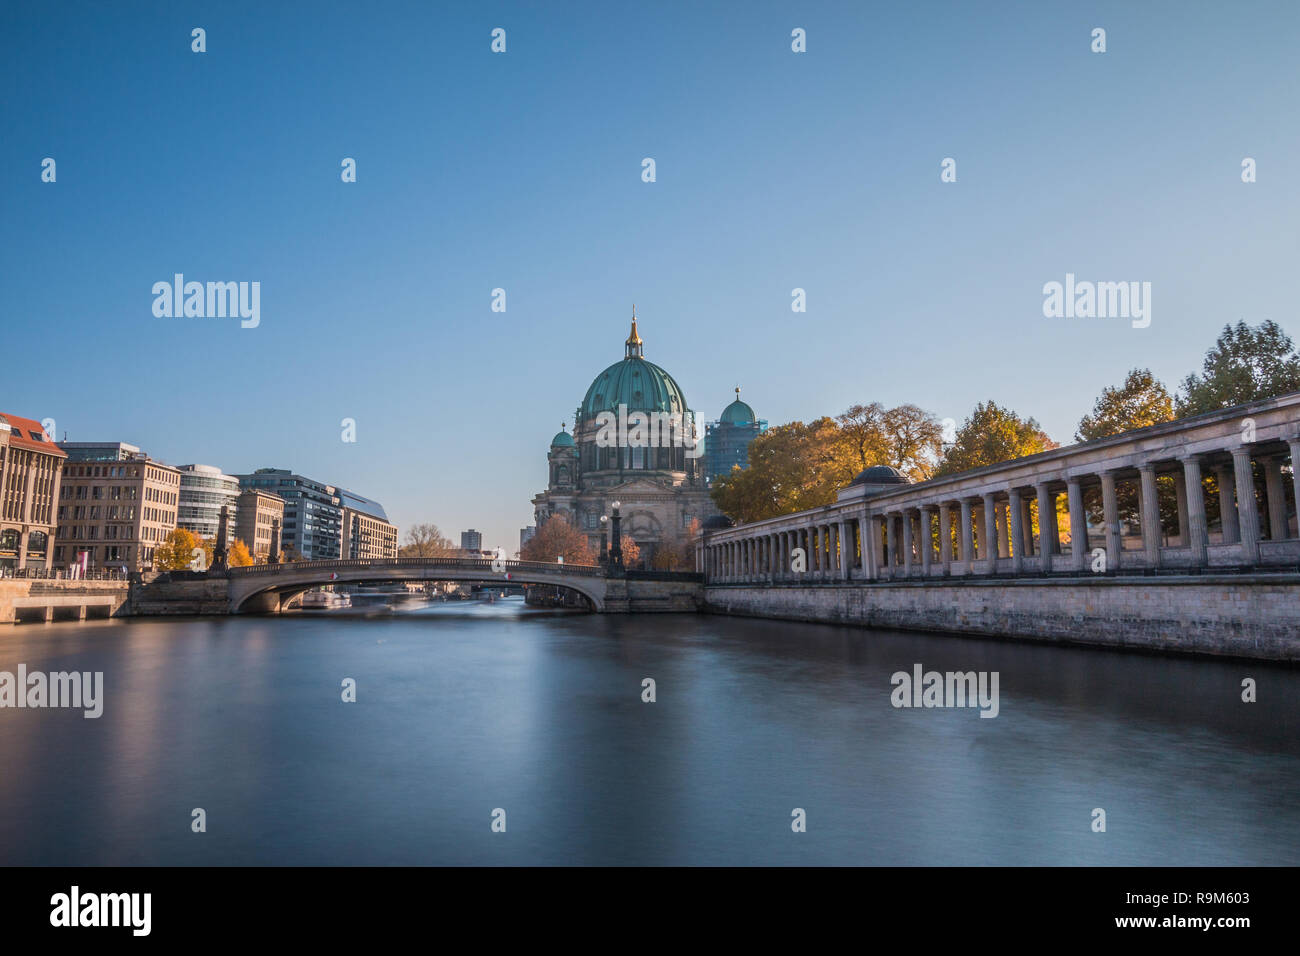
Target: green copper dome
640,385
562,439
738,413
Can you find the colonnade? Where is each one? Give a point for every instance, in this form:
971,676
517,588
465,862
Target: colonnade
1059,512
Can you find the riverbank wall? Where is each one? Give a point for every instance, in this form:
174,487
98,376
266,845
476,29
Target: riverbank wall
1238,615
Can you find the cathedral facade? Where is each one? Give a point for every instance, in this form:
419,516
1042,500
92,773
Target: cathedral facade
634,442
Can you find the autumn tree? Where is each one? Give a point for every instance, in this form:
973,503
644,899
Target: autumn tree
913,441
1246,363
791,467
425,541
176,551
239,555
557,537
991,435
677,550
1141,401
631,551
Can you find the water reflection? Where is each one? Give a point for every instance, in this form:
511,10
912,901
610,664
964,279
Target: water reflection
466,707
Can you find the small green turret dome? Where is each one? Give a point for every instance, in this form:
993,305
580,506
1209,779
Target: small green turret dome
562,439
738,413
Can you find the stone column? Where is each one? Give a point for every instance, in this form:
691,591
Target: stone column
846,554
1110,516
1227,506
1000,523
1194,493
1295,477
906,544
1078,524
988,534
1180,502
1014,505
1150,514
873,545
891,553
1276,498
1046,526
926,541
967,545
864,540
945,538
1247,513
1027,526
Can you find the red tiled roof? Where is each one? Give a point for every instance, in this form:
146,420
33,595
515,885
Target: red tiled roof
20,436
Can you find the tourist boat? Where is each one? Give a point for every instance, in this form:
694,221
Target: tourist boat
325,600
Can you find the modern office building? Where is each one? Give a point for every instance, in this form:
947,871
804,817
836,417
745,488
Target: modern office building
31,469
116,505
726,441
204,490
256,512
471,540
313,513
526,535
365,531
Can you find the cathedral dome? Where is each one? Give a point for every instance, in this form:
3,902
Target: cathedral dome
738,413
562,439
640,385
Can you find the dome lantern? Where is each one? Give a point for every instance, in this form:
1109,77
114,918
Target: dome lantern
634,347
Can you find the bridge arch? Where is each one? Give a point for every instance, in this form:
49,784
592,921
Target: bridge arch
251,586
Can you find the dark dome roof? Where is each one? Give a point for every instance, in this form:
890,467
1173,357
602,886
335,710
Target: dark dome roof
718,521
880,475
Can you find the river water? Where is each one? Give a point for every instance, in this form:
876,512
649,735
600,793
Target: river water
462,709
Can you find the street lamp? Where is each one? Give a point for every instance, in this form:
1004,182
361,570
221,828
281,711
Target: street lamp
616,541
604,539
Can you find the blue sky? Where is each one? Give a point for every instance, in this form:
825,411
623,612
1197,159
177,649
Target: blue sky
522,170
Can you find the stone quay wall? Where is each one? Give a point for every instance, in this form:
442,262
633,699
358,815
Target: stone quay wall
1238,615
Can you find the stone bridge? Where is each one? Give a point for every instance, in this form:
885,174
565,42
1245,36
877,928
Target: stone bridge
270,587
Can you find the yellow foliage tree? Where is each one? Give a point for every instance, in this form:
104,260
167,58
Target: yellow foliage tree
239,555
177,550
